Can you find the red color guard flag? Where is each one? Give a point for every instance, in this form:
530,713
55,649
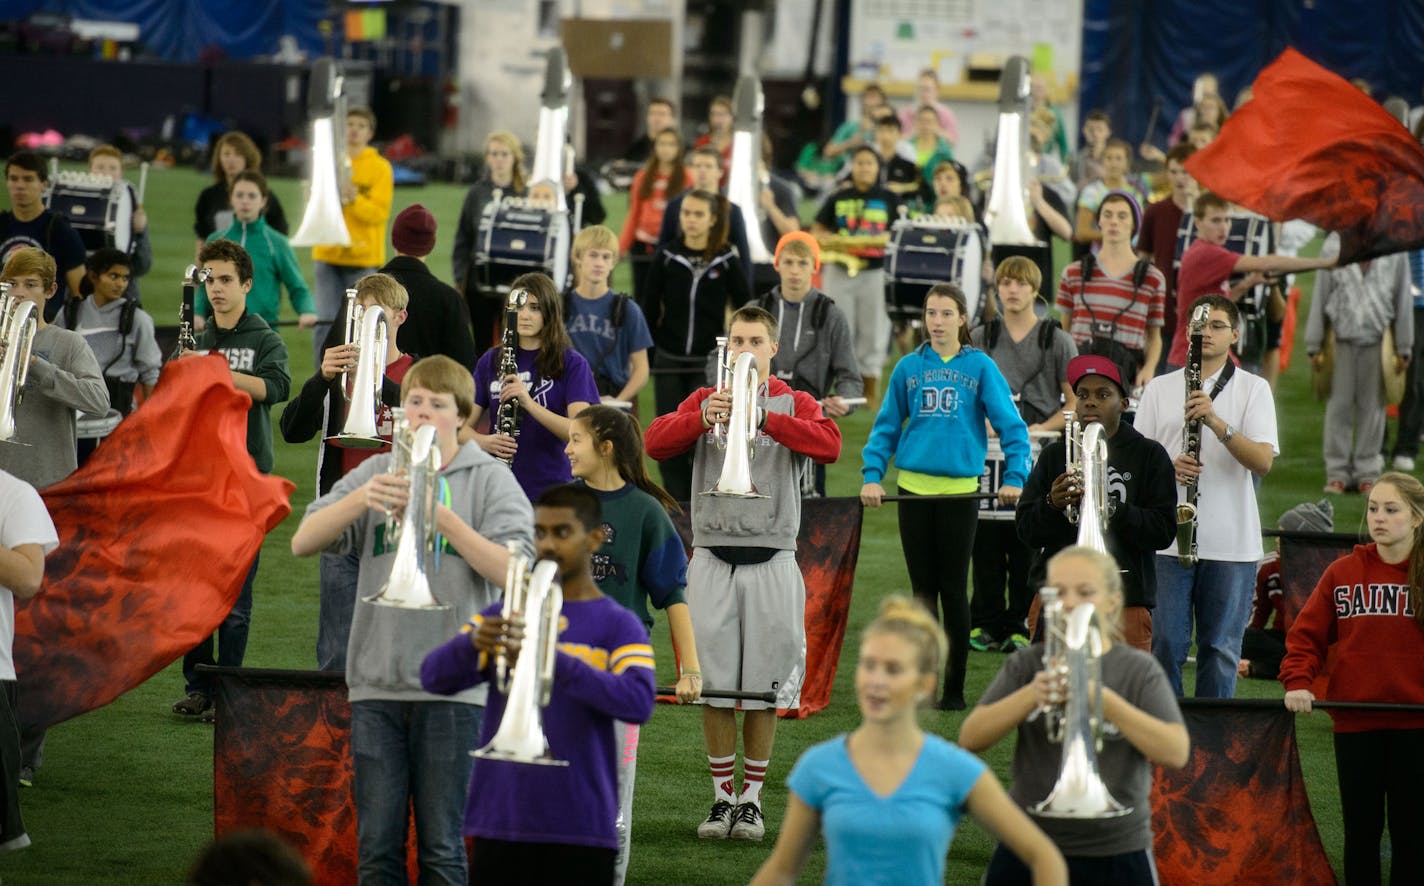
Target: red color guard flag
1238,812
1309,145
156,533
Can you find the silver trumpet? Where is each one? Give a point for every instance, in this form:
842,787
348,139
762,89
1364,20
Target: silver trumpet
367,329
19,321
537,596
739,436
413,532
1073,648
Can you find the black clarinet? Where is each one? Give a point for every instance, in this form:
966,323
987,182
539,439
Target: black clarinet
1191,440
192,279
507,421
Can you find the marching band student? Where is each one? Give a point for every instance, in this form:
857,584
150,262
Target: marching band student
745,591
63,377
1143,726
605,327
641,561
117,330
409,747
706,166
233,152
690,285
321,406
554,824
1116,178
366,208
1141,493
661,114
927,94
1238,444
26,535
932,423
274,262
554,384
887,797
1034,355
28,223
720,117
1369,606
437,319
504,172
662,176
815,353
258,360
108,160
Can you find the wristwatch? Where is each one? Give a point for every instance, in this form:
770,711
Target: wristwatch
1227,434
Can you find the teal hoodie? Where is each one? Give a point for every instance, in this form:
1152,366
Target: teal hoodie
932,419
274,265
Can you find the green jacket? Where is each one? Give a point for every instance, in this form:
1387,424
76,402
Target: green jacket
253,348
274,265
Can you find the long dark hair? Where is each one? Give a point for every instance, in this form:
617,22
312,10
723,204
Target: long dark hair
553,338
607,424
956,295
721,221
677,176
1412,491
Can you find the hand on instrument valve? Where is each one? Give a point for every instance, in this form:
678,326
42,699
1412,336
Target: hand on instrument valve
1050,687
689,687
339,359
1199,405
1186,468
499,445
717,409
387,493
348,193
1065,491
496,635
871,495
513,388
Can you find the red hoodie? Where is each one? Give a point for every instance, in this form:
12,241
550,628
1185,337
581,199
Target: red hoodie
1361,605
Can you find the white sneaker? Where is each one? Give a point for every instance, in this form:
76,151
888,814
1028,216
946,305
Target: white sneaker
748,824
1403,463
718,825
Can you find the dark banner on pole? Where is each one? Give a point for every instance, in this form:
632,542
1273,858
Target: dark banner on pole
827,550
1238,811
156,534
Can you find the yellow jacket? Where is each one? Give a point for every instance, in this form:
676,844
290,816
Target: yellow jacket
366,216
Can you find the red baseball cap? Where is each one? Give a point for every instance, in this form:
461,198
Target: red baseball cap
1093,364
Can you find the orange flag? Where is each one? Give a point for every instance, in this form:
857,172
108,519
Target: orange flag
156,533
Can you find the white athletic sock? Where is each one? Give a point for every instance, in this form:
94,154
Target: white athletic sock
753,774
724,782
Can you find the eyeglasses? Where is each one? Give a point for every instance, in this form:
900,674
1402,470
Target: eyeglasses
1219,326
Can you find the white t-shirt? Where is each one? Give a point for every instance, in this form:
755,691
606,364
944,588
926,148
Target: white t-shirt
23,521
1228,519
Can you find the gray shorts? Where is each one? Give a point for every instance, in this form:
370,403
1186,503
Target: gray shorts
750,625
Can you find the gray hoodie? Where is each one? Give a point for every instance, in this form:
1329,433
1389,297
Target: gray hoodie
387,645
818,358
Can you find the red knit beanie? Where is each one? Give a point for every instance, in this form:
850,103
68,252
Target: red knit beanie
413,232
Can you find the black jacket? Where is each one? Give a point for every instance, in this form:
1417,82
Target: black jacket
1142,487
319,407
437,318
687,298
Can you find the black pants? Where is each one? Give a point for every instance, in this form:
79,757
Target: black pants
1127,869
1411,409
1001,563
674,379
12,827
1264,649
640,258
938,538
1378,770
503,863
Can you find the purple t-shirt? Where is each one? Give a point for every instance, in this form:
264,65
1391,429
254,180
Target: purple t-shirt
540,461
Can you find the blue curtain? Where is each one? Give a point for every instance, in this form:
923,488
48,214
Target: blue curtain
180,30
1137,53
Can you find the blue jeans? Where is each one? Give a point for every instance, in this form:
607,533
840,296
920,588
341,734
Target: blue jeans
232,640
412,754
1217,594
332,281
336,609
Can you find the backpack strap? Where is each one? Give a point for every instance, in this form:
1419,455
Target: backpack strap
820,311
71,312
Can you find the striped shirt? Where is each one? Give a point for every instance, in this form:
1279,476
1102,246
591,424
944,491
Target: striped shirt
1111,300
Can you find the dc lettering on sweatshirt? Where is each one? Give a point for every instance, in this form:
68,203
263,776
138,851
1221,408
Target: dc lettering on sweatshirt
240,359
1354,601
942,401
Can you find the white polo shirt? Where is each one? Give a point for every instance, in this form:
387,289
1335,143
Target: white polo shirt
23,521
1228,518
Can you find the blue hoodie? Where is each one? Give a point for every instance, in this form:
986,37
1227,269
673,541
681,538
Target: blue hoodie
946,404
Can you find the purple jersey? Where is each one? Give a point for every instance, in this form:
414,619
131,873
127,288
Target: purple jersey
540,462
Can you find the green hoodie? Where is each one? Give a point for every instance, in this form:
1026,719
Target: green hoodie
253,348
274,264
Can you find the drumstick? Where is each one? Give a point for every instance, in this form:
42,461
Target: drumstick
854,401
142,180
768,697
625,405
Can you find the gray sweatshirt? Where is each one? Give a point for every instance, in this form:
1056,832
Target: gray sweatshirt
134,358
816,358
1361,304
388,645
64,377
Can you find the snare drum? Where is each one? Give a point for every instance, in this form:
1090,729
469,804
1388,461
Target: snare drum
515,239
90,427
99,208
993,477
921,254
